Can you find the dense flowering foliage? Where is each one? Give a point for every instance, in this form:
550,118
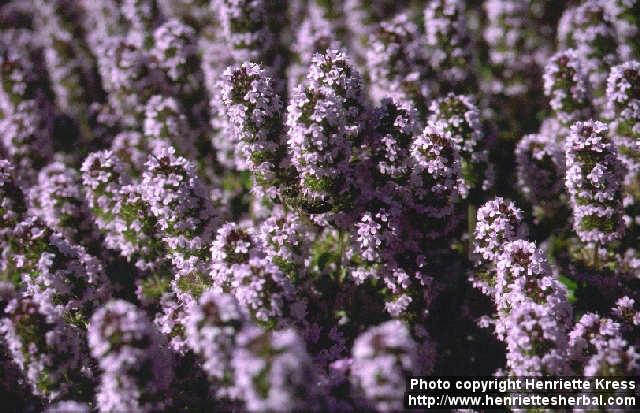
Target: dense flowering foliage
396,62
540,169
382,356
136,368
594,179
293,205
567,87
452,57
589,29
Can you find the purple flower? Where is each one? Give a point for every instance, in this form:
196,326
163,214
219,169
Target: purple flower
211,326
129,78
392,132
59,200
512,49
627,312
623,102
240,267
590,334
142,16
435,182
47,350
185,215
594,179
286,241
68,406
57,274
121,214
131,148
272,370
396,63
523,275
461,118
315,35
567,87
254,112
540,170
615,358
136,368
450,46
623,17
67,57
588,29
19,81
324,120
536,341
26,140
498,222
382,357
361,17
13,205
166,125
249,28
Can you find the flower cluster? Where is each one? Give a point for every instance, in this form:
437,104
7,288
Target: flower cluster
623,100
391,136
47,350
623,97
324,120
382,357
594,178
451,56
255,114
435,181
131,148
67,56
19,82
239,266
523,276
627,312
12,211
27,141
396,62
142,16
567,87
66,406
166,125
536,341
174,51
596,345
285,241
211,329
461,118
252,205
540,169
59,275
512,50
136,369
361,16
498,221
272,370
58,199
121,215
588,29
250,29
623,14
315,35
185,216
128,78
